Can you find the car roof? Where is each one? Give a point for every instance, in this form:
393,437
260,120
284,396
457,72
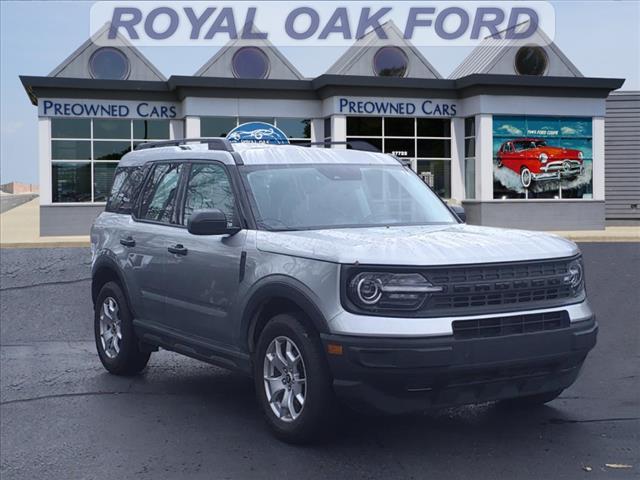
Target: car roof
257,154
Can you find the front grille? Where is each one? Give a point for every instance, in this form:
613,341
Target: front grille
512,325
478,287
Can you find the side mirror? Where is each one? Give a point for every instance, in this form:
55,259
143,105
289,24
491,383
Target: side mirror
210,222
459,212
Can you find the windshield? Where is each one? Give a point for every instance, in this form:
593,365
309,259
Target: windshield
527,144
306,197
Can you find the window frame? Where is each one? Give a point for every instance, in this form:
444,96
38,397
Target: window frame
232,175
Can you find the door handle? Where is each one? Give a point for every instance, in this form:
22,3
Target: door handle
178,249
128,242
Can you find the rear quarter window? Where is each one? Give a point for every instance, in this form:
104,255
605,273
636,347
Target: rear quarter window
126,186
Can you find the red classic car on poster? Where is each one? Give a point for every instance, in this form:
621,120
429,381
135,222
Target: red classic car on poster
534,160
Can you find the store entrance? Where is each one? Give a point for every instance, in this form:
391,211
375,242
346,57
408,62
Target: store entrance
426,142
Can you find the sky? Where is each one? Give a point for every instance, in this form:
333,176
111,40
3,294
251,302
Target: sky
601,38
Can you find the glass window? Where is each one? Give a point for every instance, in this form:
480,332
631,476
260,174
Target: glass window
400,147
531,60
364,126
250,62
295,127
327,128
399,127
436,174
102,180
269,120
70,150
126,185
331,196
217,126
390,62
71,182
374,142
151,129
109,63
434,148
208,187
470,127
159,196
110,150
434,127
70,128
111,128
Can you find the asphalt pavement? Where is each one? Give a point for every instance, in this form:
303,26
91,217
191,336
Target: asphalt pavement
63,417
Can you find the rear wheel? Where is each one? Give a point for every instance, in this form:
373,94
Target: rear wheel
532,400
292,381
117,344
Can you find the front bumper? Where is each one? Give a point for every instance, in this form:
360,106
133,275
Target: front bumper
559,169
399,375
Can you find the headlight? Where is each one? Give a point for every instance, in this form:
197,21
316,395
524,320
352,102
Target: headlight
575,275
580,155
401,291
543,157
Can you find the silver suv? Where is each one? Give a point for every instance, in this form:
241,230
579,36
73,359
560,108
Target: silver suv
330,276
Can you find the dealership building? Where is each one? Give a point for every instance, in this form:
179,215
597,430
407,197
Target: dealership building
516,133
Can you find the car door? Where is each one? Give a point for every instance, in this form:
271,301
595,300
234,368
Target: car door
147,240
202,275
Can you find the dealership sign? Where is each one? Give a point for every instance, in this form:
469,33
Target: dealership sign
107,109
257,132
326,23
394,107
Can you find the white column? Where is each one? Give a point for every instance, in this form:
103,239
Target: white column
317,130
484,157
44,160
176,129
339,130
192,127
457,159
598,158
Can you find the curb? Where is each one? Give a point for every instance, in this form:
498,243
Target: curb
55,244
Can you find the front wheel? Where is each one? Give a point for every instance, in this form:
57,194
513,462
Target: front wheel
525,177
117,344
292,381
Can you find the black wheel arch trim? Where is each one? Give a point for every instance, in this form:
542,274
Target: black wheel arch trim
105,261
278,286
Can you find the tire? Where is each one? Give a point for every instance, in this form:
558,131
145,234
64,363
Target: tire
111,308
311,420
531,400
525,177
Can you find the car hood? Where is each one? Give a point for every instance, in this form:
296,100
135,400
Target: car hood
419,245
559,151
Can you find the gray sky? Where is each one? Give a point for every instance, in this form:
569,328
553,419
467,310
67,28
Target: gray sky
601,38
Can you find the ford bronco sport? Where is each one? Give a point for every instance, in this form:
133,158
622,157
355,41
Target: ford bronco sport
329,274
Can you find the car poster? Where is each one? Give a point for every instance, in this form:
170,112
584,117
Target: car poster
542,157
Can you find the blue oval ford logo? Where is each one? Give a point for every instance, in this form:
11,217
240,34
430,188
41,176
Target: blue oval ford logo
257,132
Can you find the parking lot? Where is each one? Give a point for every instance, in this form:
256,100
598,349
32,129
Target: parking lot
63,416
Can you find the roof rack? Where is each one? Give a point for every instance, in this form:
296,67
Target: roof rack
361,145
213,143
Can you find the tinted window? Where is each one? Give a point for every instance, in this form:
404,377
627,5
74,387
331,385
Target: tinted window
250,62
208,187
111,128
159,196
151,129
364,126
126,185
295,127
70,128
71,182
390,62
217,126
109,64
71,150
102,180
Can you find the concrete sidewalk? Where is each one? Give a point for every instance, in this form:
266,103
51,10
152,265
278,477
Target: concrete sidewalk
20,228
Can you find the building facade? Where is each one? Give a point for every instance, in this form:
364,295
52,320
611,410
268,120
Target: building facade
516,134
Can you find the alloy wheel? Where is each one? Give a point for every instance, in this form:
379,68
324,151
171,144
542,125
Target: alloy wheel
285,379
110,327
